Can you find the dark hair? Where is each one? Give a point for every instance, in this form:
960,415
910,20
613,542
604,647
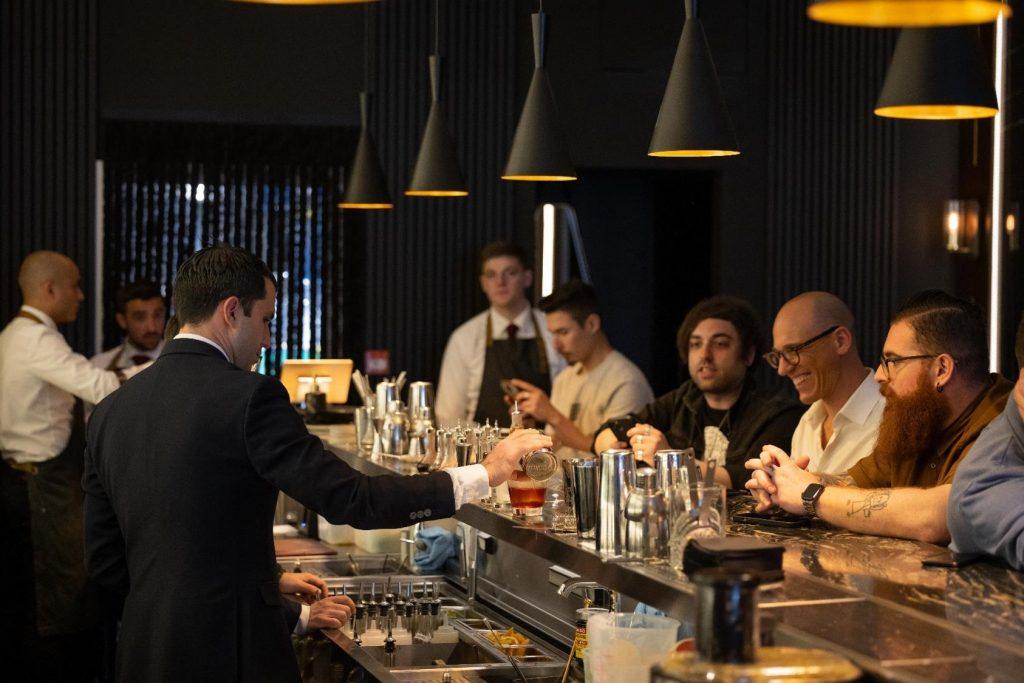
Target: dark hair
215,273
943,323
140,289
172,329
732,309
575,298
1020,344
501,248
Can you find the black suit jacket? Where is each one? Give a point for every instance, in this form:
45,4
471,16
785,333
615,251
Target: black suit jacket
183,467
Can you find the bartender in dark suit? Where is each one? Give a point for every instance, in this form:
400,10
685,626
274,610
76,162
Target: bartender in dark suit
183,468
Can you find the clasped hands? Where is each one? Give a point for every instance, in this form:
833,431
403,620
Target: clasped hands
776,479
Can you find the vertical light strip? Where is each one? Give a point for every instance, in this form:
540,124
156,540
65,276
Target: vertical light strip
547,273
996,221
97,279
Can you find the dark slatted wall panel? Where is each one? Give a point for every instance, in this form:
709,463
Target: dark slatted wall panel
170,189
47,141
832,168
421,279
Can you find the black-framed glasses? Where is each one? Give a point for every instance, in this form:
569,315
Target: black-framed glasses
792,353
887,363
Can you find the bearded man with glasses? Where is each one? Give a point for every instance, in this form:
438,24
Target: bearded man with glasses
816,349
939,398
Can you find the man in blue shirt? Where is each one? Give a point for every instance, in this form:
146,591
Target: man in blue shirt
986,504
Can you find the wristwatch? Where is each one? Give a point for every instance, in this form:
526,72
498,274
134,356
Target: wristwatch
810,498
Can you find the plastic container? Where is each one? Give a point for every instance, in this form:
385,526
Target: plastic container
379,540
623,646
334,534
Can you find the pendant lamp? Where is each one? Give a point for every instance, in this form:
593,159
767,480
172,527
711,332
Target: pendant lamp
938,73
897,13
437,173
367,186
539,150
693,120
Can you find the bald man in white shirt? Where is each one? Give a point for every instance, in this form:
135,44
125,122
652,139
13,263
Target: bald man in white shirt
47,610
816,349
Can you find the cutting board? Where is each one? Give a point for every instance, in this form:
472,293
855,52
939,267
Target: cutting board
301,547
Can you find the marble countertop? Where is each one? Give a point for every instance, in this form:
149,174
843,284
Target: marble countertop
867,597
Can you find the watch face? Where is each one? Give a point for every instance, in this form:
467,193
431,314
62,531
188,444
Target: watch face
812,491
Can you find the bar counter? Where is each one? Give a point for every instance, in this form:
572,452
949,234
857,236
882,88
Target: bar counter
865,597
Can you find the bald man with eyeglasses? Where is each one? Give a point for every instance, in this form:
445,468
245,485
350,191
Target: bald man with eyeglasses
815,347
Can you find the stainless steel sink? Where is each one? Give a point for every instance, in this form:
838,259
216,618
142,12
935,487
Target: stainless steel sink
472,657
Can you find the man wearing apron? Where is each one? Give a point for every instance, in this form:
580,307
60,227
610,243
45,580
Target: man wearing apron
48,620
507,341
142,314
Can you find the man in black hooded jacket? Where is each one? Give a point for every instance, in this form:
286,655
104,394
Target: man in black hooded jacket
719,411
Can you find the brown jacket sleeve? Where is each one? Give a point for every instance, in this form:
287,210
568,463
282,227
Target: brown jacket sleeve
871,473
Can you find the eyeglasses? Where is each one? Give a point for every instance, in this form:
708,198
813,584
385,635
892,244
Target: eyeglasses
887,363
792,353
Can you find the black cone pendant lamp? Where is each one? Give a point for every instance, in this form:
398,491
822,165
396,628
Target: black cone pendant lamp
693,120
437,173
938,73
539,150
899,13
367,186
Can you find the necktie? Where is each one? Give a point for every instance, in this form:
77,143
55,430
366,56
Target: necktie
139,359
512,330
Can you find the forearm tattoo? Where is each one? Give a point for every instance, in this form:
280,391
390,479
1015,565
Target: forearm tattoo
836,479
873,502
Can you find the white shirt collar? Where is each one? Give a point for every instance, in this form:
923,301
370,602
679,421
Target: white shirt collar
858,407
199,337
523,321
45,319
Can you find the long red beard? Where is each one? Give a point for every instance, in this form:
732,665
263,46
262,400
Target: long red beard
911,424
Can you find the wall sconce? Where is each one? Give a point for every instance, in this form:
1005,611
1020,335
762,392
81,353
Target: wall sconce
1013,226
960,226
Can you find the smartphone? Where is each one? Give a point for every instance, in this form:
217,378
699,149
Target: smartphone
948,559
779,518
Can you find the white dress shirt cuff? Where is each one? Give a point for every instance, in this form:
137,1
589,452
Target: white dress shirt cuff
471,483
303,623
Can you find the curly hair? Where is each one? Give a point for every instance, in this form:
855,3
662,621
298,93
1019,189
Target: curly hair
732,309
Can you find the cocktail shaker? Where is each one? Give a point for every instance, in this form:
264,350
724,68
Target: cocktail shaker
394,432
386,393
618,476
421,395
670,468
647,518
585,486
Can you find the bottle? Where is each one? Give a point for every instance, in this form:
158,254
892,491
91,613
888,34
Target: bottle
517,419
577,671
540,465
